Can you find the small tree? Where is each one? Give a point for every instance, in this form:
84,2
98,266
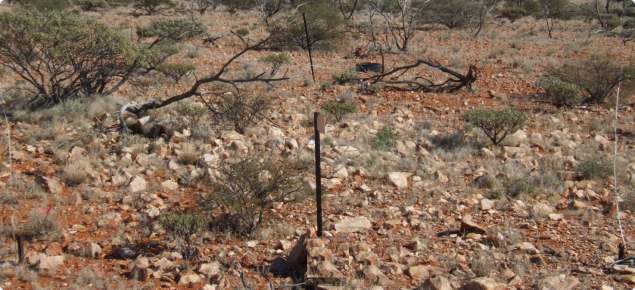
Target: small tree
182,226
598,75
45,5
450,13
176,71
62,55
496,124
193,112
551,10
240,110
201,6
244,190
324,27
401,16
339,109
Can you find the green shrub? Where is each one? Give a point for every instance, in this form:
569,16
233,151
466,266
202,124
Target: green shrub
324,23
339,109
345,76
598,75
450,13
595,169
629,24
513,13
450,141
175,70
385,138
560,93
241,110
46,5
90,5
193,112
375,88
276,61
496,124
519,186
172,30
182,226
152,6
243,192
243,31
92,59
610,21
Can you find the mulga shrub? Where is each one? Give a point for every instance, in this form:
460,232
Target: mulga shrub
513,13
385,138
325,28
519,186
345,76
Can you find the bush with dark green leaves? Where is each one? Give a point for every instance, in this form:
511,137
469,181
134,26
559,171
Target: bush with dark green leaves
243,192
450,13
560,93
594,169
176,71
182,226
610,21
339,109
518,186
92,59
513,13
385,138
324,23
91,5
496,124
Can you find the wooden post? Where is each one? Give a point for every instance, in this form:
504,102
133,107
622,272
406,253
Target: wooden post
308,44
20,242
318,125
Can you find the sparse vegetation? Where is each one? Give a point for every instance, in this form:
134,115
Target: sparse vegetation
243,191
518,186
176,71
345,76
560,93
325,30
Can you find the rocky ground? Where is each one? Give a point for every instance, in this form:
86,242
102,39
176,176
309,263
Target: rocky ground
419,215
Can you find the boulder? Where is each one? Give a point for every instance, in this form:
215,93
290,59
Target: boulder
52,262
437,283
51,185
138,184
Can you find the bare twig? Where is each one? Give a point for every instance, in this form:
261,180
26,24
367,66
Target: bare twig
242,274
6,120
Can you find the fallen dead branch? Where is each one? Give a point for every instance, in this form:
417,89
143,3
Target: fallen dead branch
455,81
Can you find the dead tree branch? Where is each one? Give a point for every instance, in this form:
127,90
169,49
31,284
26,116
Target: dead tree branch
141,108
455,81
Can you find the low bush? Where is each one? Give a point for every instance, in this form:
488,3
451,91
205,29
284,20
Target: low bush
192,112
513,13
560,93
324,32
496,124
339,109
152,6
182,226
610,21
594,169
385,138
345,76
520,186
90,5
74,174
242,192
276,61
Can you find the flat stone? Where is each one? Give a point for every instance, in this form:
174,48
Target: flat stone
484,283
169,185
353,225
468,226
51,185
486,204
526,247
423,272
48,263
561,282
